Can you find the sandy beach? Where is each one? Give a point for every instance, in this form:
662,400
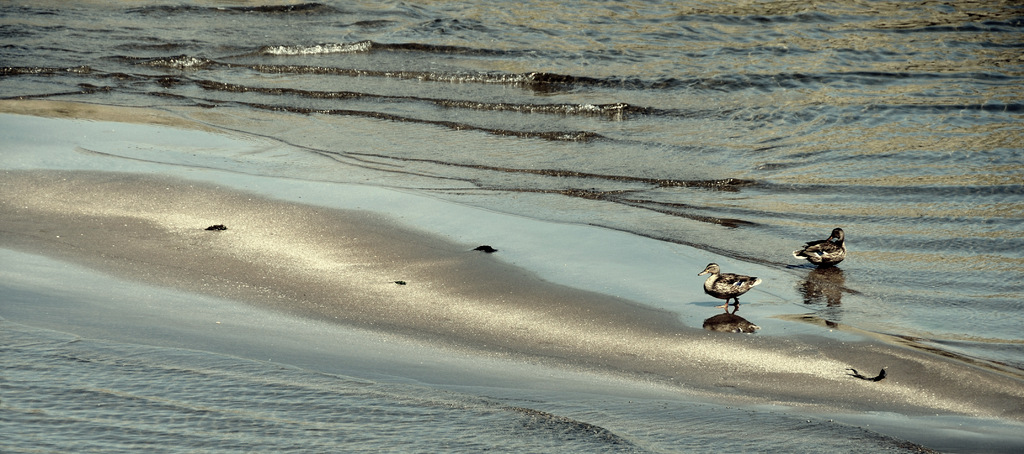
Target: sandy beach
375,269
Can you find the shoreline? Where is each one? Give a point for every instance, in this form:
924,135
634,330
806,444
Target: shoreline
289,248
298,259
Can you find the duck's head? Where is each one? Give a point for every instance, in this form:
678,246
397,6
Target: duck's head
711,268
837,235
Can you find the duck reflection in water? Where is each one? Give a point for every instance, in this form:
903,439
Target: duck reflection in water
729,322
823,285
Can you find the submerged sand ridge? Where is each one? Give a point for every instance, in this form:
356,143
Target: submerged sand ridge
343,266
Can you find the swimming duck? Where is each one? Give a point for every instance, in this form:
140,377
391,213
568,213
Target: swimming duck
726,285
827,252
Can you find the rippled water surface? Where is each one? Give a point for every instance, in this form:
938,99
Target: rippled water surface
744,128
63,393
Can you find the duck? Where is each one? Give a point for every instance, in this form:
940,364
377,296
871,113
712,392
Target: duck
827,252
726,285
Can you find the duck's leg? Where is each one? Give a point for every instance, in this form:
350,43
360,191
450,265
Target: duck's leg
725,305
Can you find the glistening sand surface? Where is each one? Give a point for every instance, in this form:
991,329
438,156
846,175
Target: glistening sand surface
342,266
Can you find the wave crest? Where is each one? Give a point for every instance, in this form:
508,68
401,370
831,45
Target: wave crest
180,62
318,49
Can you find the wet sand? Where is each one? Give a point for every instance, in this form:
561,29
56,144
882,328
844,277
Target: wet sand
362,269
96,112
358,269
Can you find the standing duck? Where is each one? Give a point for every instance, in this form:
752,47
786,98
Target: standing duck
827,252
726,285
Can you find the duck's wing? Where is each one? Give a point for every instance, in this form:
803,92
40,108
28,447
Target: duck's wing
818,248
736,282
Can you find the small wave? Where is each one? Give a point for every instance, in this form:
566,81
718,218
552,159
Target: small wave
38,70
561,136
535,80
301,8
614,110
318,49
177,62
617,110
367,46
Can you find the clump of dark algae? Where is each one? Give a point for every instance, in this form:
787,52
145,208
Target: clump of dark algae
879,377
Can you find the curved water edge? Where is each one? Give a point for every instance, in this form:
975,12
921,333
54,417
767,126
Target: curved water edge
624,339
741,129
301,404
342,367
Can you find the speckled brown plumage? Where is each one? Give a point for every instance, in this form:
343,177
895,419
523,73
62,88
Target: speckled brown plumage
827,252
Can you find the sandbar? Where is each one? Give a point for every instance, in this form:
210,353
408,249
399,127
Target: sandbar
363,269
356,268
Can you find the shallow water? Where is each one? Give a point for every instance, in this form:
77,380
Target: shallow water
64,393
741,128
310,386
